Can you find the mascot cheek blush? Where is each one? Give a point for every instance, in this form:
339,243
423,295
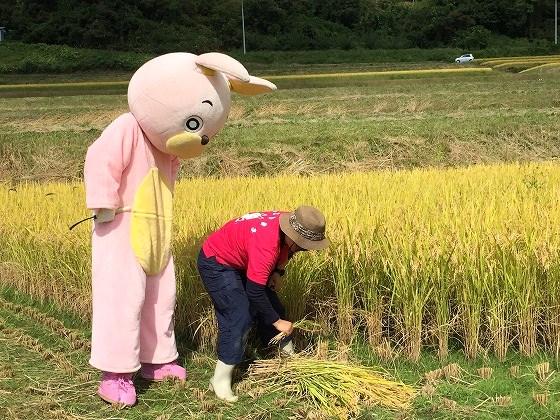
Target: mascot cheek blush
177,102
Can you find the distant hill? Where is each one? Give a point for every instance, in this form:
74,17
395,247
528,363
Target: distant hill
158,26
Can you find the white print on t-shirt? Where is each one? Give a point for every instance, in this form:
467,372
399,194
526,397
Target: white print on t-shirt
250,216
257,215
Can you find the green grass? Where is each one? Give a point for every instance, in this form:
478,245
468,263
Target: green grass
32,381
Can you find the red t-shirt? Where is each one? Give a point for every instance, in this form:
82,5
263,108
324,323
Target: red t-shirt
250,243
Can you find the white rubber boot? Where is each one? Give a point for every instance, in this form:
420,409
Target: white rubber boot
221,382
288,349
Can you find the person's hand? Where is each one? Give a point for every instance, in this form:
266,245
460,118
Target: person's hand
284,326
275,281
104,215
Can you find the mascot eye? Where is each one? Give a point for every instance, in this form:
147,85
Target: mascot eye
193,123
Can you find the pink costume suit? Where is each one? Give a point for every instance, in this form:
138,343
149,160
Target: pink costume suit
133,311
177,102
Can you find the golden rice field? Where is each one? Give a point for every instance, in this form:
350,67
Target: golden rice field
521,64
421,260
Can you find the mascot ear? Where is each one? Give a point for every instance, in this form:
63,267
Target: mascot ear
223,63
254,86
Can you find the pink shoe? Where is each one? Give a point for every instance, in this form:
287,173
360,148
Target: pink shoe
117,388
158,372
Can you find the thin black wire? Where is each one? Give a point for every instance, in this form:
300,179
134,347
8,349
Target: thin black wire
87,218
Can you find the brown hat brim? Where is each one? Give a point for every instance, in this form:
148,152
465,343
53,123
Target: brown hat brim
298,239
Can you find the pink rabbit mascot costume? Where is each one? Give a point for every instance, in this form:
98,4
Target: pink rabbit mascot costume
178,102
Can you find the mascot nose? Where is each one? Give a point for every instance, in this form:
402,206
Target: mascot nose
186,145
204,141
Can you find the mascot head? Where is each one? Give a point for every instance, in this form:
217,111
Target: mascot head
182,100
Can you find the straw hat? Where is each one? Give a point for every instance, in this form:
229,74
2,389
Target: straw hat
306,227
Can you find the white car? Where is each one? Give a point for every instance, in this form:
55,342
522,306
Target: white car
465,58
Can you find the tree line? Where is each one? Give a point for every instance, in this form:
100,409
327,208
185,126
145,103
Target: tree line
201,25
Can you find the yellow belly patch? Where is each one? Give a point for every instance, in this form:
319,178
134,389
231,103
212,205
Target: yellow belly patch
150,225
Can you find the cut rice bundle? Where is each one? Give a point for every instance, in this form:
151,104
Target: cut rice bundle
334,387
303,325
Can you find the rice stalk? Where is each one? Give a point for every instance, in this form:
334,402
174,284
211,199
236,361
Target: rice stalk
433,375
371,280
485,372
384,350
303,325
322,349
344,279
542,371
541,398
336,388
503,400
471,298
428,389
514,371
452,372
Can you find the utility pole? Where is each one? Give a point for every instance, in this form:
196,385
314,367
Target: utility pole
556,22
243,26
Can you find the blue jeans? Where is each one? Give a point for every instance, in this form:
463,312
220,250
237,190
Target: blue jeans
226,287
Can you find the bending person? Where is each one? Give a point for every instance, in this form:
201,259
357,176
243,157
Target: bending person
241,265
